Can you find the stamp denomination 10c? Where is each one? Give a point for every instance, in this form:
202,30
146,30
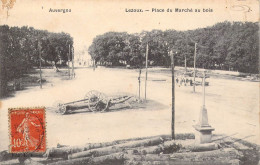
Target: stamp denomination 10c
27,130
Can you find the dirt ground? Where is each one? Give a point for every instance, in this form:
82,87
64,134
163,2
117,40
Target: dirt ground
233,107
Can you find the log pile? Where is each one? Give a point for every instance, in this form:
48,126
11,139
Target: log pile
150,150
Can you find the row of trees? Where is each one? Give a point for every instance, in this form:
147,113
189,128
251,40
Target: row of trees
227,46
21,48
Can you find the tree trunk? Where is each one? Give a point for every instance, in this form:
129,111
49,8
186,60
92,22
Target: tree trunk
190,145
64,151
171,162
225,154
117,148
147,150
147,157
78,161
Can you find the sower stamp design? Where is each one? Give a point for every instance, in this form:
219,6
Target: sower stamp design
27,130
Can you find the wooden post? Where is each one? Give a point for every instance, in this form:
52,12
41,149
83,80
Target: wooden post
72,59
146,64
173,95
185,64
139,81
39,47
194,70
69,62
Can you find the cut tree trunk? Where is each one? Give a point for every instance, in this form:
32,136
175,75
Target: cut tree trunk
188,145
82,161
64,151
180,162
117,148
227,153
204,147
117,158
166,148
148,157
147,150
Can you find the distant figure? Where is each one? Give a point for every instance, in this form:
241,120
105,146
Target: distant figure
190,82
17,85
177,80
55,68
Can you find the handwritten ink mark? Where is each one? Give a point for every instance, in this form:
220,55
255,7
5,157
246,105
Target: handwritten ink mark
243,8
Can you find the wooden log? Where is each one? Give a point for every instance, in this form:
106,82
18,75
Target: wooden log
84,160
171,146
30,161
46,161
5,155
227,153
166,148
119,158
77,106
204,147
181,162
117,148
191,145
147,150
11,161
147,157
174,146
180,136
120,100
188,145
116,157
65,151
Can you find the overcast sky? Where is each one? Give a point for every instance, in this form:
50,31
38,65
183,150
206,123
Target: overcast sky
90,18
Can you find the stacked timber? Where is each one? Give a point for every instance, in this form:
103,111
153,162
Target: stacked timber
149,150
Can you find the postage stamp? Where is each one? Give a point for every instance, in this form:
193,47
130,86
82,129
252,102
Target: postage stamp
27,130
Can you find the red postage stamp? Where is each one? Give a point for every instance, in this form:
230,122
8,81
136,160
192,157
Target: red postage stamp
27,130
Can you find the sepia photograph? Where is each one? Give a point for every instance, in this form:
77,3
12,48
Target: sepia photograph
129,82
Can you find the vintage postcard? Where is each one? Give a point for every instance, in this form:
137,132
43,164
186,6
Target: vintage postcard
129,82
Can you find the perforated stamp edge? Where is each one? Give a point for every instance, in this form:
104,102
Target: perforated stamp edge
9,128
